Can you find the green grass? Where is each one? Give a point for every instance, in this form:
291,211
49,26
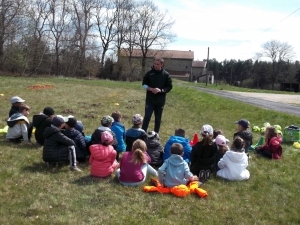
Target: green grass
33,194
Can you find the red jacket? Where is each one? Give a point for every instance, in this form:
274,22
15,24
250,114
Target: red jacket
273,146
103,160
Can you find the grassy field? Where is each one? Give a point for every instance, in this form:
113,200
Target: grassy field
33,194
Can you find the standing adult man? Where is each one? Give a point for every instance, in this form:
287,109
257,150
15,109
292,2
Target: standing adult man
158,83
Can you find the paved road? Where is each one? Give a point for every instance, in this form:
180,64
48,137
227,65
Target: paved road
276,106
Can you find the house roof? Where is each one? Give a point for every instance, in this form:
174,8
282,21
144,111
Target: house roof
173,54
201,64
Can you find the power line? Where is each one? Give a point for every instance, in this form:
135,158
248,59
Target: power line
281,20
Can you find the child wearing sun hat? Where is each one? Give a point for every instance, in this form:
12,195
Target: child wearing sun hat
135,132
203,154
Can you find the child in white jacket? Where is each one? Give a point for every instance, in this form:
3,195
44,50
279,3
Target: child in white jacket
234,163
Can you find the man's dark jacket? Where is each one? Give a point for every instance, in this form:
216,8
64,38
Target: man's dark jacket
157,79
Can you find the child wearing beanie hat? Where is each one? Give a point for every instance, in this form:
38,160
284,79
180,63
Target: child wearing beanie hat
106,123
41,122
135,132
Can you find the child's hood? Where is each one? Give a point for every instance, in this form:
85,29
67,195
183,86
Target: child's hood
16,117
236,156
50,131
104,128
152,143
175,160
71,133
178,139
38,119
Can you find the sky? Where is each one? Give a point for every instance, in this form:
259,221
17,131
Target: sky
232,29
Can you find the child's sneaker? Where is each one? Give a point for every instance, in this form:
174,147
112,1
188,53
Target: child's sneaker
202,176
207,174
75,168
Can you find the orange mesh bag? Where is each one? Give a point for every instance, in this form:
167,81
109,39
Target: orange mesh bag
202,193
193,185
150,189
180,190
158,187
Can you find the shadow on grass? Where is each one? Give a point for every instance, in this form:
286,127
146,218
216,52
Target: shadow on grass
89,180
42,167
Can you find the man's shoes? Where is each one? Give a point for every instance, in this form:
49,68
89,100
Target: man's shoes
75,168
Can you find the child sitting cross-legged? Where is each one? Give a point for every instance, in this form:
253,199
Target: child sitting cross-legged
154,149
18,126
58,147
180,138
203,154
175,170
234,162
272,148
134,165
135,132
103,157
119,130
80,144
41,122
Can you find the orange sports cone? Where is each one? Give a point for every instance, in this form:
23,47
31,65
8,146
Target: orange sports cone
195,140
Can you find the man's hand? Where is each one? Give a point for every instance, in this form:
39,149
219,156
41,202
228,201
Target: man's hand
155,90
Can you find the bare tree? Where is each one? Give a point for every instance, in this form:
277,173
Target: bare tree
83,23
124,9
37,14
279,53
9,22
58,22
153,28
106,17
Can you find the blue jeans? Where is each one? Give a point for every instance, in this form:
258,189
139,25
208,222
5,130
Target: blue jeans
158,110
146,168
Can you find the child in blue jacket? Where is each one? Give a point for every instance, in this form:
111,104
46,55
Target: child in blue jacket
119,130
175,171
179,137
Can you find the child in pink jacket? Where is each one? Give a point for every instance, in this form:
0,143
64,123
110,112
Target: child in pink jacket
103,157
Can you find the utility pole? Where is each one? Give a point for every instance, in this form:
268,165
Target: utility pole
231,75
207,66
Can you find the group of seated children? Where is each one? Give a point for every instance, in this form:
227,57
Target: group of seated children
178,162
